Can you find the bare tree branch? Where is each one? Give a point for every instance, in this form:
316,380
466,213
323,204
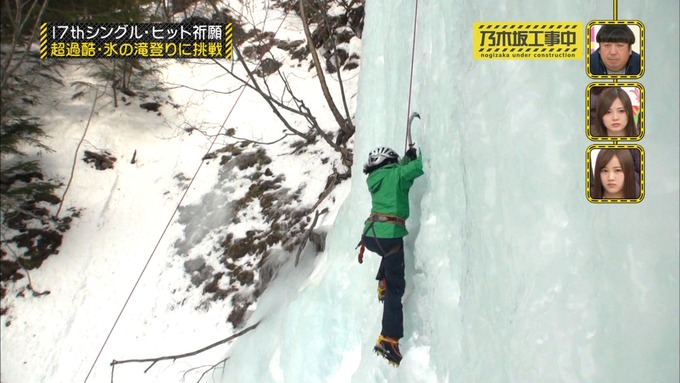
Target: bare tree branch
306,237
75,159
301,109
20,21
268,99
337,61
185,355
177,86
308,115
210,369
264,95
344,123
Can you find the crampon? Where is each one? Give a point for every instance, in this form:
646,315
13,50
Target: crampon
388,348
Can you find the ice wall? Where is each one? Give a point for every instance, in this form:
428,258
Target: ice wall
513,276
538,284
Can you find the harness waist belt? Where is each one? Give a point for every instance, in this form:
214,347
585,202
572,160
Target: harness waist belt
386,218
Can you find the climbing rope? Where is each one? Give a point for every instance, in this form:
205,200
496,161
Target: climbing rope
153,252
410,83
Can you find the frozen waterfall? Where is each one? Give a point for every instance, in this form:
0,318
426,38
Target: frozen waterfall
512,275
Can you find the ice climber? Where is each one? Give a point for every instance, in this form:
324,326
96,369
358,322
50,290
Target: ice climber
389,181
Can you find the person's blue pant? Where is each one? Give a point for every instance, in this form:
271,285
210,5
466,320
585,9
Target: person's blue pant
392,269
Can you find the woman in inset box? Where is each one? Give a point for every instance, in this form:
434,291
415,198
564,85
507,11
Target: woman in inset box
614,176
615,116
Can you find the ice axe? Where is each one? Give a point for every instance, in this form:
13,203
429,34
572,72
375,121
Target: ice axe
409,140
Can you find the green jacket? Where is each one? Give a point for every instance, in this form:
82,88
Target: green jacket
389,187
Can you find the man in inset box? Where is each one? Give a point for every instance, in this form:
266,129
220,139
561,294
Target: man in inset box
615,54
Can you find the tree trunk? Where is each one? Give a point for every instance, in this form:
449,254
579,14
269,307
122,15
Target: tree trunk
345,124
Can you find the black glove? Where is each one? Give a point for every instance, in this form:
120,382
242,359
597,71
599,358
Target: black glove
411,153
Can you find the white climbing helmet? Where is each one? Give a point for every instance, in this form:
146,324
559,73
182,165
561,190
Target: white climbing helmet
378,156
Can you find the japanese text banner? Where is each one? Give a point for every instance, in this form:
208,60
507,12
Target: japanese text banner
527,41
132,40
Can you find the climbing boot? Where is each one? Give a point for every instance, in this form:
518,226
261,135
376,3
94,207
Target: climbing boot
388,348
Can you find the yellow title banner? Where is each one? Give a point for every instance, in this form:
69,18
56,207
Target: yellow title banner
135,40
527,41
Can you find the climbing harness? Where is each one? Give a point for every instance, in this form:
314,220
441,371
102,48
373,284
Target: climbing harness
384,218
388,218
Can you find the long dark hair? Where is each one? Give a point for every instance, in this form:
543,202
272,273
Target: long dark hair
604,102
626,159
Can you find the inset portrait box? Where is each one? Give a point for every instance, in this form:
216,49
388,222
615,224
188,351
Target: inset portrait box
615,173
615,49
615,111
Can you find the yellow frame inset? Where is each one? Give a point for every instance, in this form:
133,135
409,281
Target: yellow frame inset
641,113
527,40
589,174
642,49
